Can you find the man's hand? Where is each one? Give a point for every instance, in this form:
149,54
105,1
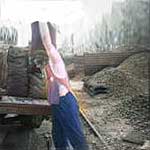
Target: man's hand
47,72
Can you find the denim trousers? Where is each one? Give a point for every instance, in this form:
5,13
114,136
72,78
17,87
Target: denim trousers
66,124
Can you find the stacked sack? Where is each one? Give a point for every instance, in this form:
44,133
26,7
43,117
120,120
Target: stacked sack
37,82
17,79
38,59
3,66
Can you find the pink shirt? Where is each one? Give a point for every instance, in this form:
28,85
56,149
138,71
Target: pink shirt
57,86
57,74
59,71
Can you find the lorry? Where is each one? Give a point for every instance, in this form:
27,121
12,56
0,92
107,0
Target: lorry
25,99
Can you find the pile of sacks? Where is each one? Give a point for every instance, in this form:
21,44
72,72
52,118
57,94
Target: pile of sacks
25,77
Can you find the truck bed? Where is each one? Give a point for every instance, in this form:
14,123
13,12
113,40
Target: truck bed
23,106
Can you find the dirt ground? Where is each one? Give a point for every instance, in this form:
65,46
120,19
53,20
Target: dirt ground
114,118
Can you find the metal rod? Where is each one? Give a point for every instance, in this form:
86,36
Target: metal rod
94,130
91,125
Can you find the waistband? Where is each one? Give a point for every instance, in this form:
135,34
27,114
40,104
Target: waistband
68,93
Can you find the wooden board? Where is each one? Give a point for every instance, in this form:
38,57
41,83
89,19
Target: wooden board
96,62
24,106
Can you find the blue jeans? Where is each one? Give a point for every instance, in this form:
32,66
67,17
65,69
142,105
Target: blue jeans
66,124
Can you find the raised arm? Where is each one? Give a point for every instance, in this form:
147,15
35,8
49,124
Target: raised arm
55,60
46,72
53,55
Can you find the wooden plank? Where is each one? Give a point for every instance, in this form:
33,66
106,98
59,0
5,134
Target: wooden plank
96,62
26,107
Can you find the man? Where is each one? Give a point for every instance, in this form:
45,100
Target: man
65,110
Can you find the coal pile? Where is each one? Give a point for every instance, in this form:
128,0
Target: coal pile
125,106
130,78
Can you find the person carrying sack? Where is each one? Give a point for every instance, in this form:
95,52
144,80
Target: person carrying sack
66,124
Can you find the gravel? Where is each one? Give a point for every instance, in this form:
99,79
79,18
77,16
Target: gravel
126,106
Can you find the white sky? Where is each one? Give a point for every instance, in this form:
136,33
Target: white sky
30,10
65,13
